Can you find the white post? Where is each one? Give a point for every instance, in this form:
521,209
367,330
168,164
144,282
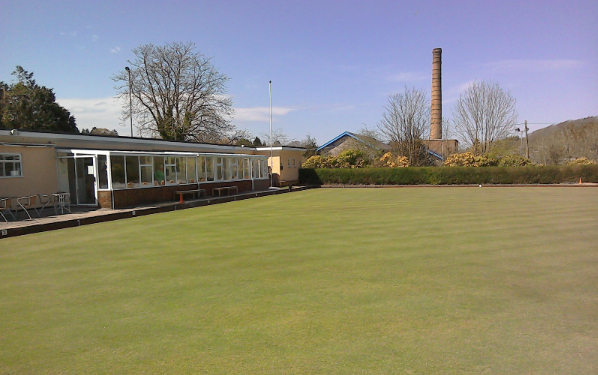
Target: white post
271,140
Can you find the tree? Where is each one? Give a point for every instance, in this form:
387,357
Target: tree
484,113
311,145
279,138
177,94
27,105
257,142
404,123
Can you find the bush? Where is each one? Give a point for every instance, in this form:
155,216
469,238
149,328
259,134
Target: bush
392,161
315,161
451,176
351,159
581,161
347,159
467,159
514,161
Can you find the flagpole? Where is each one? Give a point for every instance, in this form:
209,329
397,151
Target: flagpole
271,140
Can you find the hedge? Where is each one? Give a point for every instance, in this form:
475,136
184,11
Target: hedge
451,175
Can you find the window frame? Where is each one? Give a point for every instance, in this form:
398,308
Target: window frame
14,162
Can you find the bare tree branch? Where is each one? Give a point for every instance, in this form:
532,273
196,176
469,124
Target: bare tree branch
484,114
177,94
404,123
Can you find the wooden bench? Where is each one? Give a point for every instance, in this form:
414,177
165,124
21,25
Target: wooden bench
225,189
220,190
195,192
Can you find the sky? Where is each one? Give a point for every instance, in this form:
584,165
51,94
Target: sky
332,64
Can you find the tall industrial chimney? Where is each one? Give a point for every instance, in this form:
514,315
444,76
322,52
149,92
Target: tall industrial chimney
436,113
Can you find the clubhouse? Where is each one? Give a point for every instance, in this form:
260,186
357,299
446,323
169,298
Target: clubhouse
116,172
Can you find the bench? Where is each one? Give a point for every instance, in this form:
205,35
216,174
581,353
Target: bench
225,189
195,192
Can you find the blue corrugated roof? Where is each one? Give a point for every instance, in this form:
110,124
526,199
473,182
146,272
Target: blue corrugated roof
337,138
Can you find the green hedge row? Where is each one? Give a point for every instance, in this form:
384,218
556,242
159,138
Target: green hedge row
450,175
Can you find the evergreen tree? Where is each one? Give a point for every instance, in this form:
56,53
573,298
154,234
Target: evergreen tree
29,106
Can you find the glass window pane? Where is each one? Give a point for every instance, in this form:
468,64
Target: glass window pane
191,171
257,169
226,169
103,168
246,174
158,170
117,171
218,169
263,170
170,174
210,169
146,175
17,169
181,170
145,160
132,171
9,169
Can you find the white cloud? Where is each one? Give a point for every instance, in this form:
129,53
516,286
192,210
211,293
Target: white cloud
260,113
98,112
534,65
115,50
95,38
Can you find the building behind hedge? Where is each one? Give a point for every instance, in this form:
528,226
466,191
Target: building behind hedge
116,172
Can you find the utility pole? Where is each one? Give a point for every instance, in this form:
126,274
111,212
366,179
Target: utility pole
130,100
271,140
526,141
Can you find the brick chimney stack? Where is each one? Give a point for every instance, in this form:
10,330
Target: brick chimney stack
436,112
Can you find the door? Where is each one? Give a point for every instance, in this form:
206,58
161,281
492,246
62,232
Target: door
85,181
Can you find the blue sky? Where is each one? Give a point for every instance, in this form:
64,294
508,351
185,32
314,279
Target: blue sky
332,63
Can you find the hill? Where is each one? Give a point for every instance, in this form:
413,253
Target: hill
558,143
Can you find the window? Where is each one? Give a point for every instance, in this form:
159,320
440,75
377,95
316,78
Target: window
118,171
294,163
246,169
226,168
158,170
170,168
147,171
210,169
181,170
255,168
103,168
10,165
234,168
289,162
191,171
132,163
218,169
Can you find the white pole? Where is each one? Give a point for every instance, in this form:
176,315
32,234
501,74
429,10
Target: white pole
271,140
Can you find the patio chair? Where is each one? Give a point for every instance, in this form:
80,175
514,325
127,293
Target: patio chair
44,200
5,207
28,203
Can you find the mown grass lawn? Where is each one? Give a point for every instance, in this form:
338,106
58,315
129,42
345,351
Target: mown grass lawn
328,281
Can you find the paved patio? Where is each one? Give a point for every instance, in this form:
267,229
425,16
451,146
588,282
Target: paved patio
89,215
